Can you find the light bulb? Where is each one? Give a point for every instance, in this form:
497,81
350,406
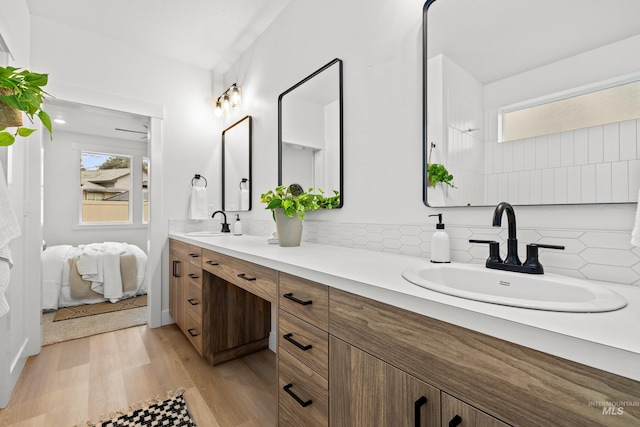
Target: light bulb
218,109
235,96
225,102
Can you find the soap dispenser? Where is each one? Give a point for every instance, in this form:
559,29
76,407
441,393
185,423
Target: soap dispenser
440,243
237,226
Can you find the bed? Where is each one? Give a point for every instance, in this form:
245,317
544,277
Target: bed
93,273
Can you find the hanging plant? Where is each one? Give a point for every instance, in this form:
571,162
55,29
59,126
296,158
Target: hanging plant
21,91
436,172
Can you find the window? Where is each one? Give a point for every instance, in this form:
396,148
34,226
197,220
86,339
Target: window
581,109
105,183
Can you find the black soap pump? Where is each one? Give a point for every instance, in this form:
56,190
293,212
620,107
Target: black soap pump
440,246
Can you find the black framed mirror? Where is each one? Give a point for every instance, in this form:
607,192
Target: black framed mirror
236,166
310,131
503,84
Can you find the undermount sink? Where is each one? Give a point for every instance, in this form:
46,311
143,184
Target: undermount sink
549,292
206,234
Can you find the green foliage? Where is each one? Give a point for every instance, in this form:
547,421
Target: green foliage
438,173
116,162
27,95
293,199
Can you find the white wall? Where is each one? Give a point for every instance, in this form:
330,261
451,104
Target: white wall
62,194
20,334
99,68
381,46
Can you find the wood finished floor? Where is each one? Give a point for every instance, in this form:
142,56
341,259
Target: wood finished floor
71,382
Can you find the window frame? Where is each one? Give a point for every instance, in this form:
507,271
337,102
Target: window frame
136,152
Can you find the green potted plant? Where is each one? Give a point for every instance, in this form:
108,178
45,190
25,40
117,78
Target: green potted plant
436,172
21,91
289,205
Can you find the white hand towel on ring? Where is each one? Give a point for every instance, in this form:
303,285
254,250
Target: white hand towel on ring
198,203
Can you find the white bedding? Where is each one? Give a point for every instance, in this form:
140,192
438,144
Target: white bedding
106,279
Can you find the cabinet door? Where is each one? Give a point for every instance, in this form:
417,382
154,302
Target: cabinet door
177,290
456,413
366,391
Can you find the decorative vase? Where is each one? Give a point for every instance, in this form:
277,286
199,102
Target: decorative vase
289,229
9,116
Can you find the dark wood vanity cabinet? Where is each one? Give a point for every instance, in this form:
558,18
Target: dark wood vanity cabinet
214,300
345,360
479,377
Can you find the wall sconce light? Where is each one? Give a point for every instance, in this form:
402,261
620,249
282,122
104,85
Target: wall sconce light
230,98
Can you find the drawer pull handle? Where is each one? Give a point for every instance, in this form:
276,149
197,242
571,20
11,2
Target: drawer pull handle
245,277
296,343
194,255
292,394
211,262
175,269
193,301
417,405
455,421
192,332
294,299
193,276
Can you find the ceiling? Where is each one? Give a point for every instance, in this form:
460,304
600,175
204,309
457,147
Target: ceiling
84,119
494,39
210,34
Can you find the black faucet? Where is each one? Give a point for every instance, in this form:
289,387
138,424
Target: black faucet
225,226
512,241
512,262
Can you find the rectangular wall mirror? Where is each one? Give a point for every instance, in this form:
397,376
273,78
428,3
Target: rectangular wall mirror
236,166
532,102
310,135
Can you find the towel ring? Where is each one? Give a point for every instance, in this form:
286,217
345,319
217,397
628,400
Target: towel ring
198,176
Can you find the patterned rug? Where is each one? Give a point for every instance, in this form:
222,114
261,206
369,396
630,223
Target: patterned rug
66,313
172,412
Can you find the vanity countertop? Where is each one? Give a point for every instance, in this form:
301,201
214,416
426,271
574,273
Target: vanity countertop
607,341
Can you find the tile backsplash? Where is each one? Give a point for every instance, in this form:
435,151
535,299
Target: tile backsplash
594,255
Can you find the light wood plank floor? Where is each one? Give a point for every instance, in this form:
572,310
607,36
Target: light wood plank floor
71,382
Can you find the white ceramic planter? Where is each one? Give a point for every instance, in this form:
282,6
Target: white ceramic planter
289,229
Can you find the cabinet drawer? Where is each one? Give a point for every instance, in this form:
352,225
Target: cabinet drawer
305,299
194,275
304,341
179,249
456,412
302,392
193,329
195,255
194,301
258,280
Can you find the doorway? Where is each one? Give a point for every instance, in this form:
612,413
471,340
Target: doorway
95,189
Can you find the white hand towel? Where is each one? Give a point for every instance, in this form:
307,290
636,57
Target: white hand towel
198,203
9,226
635,234
9,230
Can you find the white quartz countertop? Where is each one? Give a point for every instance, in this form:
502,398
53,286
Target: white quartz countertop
609,341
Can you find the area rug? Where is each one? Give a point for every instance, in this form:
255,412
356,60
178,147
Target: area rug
54,332
66,313
172,412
